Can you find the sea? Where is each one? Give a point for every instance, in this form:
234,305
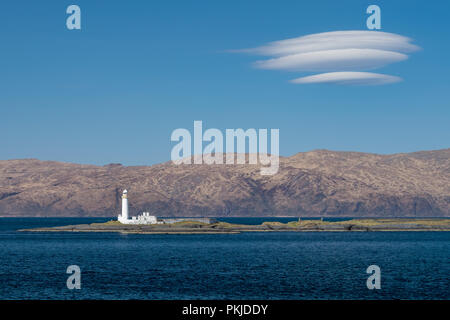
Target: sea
253,265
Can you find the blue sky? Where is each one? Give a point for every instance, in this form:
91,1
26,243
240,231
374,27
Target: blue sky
115,91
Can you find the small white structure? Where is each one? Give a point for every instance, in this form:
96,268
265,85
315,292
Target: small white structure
144,218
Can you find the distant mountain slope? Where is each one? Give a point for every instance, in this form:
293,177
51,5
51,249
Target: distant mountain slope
316,183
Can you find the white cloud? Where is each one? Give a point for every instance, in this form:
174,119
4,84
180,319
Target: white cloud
333,60
349,78
341,53
337,40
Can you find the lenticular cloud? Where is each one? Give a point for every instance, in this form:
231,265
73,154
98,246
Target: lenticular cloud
360,78
334,60
337,40
340,53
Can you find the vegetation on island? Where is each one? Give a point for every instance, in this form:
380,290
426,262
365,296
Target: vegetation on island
292,226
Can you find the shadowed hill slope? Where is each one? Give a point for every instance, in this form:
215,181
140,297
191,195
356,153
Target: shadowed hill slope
316,183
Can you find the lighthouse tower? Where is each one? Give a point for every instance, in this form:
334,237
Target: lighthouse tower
124,216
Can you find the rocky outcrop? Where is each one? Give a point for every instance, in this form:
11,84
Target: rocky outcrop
316,183
195,227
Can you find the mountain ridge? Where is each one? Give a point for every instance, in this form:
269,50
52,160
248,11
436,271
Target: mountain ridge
314,183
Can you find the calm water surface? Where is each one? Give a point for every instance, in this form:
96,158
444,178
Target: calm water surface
313,265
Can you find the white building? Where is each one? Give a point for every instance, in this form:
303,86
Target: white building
144,218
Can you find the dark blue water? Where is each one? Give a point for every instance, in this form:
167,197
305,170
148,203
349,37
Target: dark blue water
314,265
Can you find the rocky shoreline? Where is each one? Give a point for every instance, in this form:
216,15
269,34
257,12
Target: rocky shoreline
192,227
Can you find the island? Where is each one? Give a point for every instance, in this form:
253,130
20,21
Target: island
219,227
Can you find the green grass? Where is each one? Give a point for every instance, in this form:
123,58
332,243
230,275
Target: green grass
189,223
108,223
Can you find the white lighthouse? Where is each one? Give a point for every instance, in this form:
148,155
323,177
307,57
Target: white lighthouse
124,216
144,218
